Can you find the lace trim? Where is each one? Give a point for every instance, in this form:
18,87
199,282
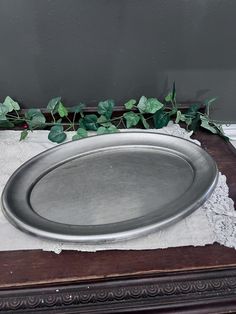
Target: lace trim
221,214
217,213
219,208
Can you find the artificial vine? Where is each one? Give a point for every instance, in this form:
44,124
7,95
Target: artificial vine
146,112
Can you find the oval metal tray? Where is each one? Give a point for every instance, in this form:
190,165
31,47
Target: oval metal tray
110,187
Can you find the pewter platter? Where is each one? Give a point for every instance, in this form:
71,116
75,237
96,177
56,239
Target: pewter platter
109,187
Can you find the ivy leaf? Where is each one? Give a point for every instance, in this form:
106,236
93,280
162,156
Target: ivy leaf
103,130
102,119
54,104
142,104
150,105
183,117
23,135
3,111
89,122
188,121
112,129
77,108
178,116
63,112
161,119
105,108
106,124
80,133
6,124
192,110
194,126
130,104
57,134
144,121
35,118
168,97
11,104
153,105
131,118
205,123
171,96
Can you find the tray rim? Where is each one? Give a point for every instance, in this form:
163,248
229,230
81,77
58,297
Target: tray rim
113,237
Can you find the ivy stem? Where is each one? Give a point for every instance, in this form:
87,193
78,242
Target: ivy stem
53,117
122,121
114,119
121,117
17,114
11,116
118,124
73,120
69,120
69,128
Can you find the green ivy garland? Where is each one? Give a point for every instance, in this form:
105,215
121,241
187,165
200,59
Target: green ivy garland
144,111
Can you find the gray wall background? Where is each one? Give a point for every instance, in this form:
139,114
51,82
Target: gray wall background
90,50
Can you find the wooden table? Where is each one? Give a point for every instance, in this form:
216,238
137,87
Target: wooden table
175,280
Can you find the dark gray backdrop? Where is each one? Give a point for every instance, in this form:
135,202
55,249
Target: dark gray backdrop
89,50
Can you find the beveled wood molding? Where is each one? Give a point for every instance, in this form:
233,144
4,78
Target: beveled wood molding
179,293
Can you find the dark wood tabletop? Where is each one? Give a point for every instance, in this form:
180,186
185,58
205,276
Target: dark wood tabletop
175,280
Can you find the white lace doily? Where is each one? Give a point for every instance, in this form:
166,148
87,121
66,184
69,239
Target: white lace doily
215,221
